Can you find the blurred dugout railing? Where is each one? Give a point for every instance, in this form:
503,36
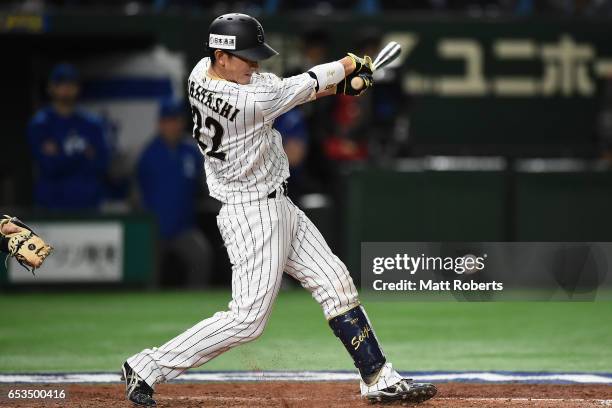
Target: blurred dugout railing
478,199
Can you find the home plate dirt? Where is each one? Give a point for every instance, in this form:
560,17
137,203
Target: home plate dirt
314,394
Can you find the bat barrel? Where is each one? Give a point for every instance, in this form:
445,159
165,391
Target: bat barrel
386,55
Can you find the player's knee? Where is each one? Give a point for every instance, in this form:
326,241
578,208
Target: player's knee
258,330
250,334
251,325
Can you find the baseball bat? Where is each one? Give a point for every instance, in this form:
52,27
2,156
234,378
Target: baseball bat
389,53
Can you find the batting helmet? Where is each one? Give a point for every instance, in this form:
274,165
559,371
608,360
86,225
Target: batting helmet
241,35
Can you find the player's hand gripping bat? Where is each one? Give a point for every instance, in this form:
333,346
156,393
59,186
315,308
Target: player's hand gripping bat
389,53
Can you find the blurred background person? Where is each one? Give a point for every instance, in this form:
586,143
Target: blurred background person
69,148
347,140
294,131
170,179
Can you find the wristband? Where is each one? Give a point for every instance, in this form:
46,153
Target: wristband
327,75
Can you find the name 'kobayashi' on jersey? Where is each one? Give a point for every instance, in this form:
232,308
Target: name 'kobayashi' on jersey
244,155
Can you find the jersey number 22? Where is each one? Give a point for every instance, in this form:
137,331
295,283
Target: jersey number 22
211,124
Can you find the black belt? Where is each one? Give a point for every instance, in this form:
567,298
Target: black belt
282,188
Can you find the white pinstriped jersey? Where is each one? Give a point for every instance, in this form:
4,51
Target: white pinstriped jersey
244,157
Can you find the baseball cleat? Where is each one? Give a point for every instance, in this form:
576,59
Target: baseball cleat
405,390
136,389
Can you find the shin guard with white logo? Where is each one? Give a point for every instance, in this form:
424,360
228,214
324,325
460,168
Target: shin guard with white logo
355,331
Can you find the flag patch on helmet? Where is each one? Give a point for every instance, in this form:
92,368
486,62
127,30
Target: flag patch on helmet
224,42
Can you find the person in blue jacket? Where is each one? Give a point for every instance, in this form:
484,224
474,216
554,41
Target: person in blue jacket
69,148
169,180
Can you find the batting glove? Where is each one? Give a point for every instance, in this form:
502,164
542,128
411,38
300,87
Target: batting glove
362,65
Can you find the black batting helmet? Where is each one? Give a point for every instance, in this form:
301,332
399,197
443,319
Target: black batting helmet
241,35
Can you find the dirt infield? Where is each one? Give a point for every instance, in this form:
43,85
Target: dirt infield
313,395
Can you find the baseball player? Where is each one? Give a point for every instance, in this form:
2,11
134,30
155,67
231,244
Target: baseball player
234,107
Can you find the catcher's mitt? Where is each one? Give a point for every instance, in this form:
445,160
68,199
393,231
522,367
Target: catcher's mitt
22,243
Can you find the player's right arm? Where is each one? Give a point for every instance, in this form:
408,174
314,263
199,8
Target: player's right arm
276,96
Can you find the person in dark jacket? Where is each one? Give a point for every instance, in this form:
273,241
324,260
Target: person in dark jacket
69,148
169,179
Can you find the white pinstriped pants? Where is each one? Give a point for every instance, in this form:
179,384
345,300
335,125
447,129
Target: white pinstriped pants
263,240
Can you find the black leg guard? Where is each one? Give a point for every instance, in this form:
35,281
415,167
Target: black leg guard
355,331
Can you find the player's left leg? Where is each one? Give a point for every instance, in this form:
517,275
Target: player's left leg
257,238
312,262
